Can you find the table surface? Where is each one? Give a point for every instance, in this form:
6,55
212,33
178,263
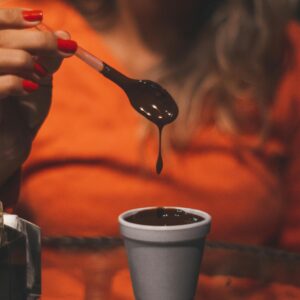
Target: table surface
228,271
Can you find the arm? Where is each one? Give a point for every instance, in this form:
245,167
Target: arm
9,191
290,238
28,59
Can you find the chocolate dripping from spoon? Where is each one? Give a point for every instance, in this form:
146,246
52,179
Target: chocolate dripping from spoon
150,100
147,97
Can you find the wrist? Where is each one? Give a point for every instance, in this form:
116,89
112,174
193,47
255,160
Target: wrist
10,189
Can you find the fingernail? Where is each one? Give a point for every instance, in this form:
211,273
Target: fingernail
67,46
40,70
32,15
30,86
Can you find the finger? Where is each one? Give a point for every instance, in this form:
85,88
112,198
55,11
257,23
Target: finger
11,85
35,109
20,62
63,34
50,63
53,63
37,42
19,18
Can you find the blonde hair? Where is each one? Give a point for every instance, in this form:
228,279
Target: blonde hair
241,53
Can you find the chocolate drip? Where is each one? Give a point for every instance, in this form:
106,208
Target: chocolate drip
149,99
159,162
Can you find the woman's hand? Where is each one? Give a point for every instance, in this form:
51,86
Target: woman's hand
28,58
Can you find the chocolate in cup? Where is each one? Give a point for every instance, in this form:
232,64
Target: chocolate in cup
164,261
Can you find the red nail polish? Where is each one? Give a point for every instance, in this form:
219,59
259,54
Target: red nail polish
32,15
40,70
67,46
30,86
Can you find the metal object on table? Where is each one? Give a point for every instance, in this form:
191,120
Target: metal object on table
32,235
13,266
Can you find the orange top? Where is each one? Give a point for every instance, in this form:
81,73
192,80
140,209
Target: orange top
86,166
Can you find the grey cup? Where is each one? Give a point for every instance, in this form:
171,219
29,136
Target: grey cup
164,261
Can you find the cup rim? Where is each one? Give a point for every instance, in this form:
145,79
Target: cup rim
205,222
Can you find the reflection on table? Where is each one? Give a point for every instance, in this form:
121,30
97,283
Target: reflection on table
96,268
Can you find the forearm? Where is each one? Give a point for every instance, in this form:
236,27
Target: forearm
9,189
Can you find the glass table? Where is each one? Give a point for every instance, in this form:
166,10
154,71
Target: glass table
96,268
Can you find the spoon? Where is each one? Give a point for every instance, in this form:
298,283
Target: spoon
147,97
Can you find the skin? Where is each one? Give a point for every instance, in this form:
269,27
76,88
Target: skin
21,112
141,21
173,20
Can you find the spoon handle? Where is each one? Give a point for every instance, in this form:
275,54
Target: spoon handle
90,59
94,62
81,53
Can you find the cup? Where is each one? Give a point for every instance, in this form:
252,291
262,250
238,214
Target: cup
164,261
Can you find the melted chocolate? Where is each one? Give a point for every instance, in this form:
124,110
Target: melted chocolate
159,163
149,99
163,217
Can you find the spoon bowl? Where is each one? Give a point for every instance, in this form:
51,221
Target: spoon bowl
148,98
151,101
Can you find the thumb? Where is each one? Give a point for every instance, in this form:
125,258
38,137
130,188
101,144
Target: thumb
63,34
53,63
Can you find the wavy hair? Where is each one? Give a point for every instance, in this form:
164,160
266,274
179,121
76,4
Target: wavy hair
240,52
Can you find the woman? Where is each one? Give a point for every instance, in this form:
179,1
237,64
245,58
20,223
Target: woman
231,65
